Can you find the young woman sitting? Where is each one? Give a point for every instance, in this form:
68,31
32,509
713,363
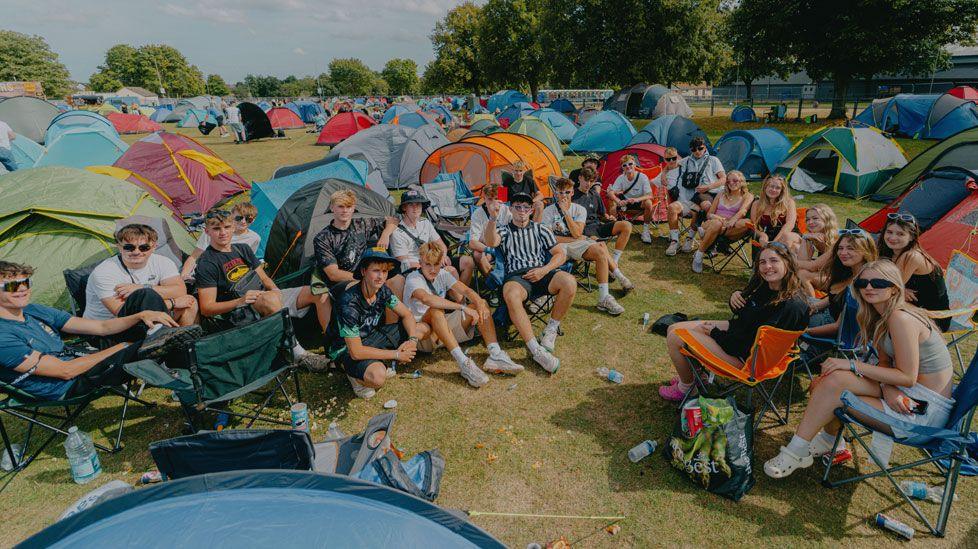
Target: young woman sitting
914,367
774,214
922,275
773,297
823,230
853,249
726,216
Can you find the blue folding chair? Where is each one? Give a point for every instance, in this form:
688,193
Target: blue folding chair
937,443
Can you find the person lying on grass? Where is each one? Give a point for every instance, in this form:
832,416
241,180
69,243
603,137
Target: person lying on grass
914,367
371,325
566,219
726,216
443,322
773,297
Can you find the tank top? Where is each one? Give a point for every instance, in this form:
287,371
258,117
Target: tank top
931,295
771,227
934,356
727,212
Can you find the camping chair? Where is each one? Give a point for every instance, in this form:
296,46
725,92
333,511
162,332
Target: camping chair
963,297
450,198
777,113
945,447
233,450
229,365
76,281
727,250
537,308
846,342
35,411
770,355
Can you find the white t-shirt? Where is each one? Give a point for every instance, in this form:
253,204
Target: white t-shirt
110,273
416,280
642,187
403,245
480,218
233,115
248,237
555,220
4,135
713,167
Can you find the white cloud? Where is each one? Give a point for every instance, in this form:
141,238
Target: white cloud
299,51
216,11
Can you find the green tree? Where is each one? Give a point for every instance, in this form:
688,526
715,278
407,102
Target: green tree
29,58
511,45
842,40
122,63
103,83
216,85
298,87
324,86
152,66
757,48
401,75
456,67
351,76
241,90
263,86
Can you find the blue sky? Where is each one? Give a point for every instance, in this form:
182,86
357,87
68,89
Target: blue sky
234,37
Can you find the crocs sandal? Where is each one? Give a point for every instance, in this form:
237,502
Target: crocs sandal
785,463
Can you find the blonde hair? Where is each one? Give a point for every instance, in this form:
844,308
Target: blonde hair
835,272
344,197
431,253
873,323
672,151
744,191
830,230
628,158
246,209
783,203
520,165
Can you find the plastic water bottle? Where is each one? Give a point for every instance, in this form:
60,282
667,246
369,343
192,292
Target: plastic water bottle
613,376
641,451
82,458
920,490
334,432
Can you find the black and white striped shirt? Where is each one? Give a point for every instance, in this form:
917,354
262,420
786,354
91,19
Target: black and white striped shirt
527,247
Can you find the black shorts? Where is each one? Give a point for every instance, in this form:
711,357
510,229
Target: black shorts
602,229
388,336
533,289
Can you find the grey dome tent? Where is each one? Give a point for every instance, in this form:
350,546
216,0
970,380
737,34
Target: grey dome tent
660,101
28,116
201,102
395,152
627,101
671,131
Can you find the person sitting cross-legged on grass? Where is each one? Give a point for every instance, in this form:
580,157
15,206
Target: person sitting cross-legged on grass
566,219
632,191
444,322
530,275
773,297
726,216
358,338
599,224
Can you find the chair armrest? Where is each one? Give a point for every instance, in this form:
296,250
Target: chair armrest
851,402
158,375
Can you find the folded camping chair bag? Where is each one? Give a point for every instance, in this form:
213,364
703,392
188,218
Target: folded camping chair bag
349,455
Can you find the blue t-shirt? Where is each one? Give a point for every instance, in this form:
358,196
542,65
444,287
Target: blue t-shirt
38,332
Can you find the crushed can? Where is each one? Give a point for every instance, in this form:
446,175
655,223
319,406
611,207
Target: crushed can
692,418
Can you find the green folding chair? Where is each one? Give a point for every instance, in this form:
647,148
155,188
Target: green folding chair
228,365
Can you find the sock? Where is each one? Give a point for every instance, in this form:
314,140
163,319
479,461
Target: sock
698,256
829,440
298,350
602,290
799,446
534,346
645,228
458,355
554,325
684,387
494,349
674,234
616,255
618,274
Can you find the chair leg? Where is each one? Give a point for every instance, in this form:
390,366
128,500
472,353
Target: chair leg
8,447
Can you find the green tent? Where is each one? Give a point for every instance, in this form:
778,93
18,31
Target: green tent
58,218
959,150
539,130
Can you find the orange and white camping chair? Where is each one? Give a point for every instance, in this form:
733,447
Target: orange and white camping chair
771,354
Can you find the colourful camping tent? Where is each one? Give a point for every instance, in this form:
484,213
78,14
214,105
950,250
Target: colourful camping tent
756,153
393,112
25,152
672,131
659,100
743,113
307,110
537,129
949,115
342,126
513,113
564,128
82,147
133,123
562,105
394,153
502,99
964,92
28,116
605,132
282,118
416,119
609,167
73,120
195,117
959,150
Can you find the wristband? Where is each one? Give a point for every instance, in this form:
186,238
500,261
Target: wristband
852,368
413,338
397,356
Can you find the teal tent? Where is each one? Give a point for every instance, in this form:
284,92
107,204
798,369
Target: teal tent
83,147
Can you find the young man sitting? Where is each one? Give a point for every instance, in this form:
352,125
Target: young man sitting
525,245
599,224
592,161
520,180
698,178
358,338
137,280
566,219
445,322
414,231
232,284
244,214
477,225
632,191
33,357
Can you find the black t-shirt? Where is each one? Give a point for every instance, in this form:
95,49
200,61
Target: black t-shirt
354,316
592,203
790,314
527,186
344,247
222,269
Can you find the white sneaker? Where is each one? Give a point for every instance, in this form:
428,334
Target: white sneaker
609,305
700,232
626,284
476,377
360,389
698,262
391,372
501,364
547,361
673,248
646,237
688,245
549,340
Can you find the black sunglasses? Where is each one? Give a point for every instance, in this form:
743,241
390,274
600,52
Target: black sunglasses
671,158
132,247
14,285
240,218
627,164
877,283
217,213
901,217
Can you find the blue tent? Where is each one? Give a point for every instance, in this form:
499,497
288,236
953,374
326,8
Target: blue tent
479,109
562,126
160,114
73,120
754,152
502,99
264,105
25,152
444,114
306,110
903,115
604,132
743,113
194,117
265,509
515,111
394,111
83,147
562,105
671,130
268,196
948,116
117,101
415,120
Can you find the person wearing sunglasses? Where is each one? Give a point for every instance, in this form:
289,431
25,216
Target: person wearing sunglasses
33,357
532,259
244,214
520,180
599,224
922,275
632,192
137,279
912,381
566,219
700,176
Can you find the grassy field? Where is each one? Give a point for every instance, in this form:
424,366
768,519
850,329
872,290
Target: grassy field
541,444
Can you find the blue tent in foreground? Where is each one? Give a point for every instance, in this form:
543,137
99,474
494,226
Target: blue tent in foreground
903,114
265,508
562,126
25,152
754,152
605,132
73,120
268,196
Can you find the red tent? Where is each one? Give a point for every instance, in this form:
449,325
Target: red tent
284,119
132,123
650,159
964,92
343,125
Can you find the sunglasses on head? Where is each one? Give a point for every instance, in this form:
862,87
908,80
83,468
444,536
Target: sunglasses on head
853,232
240,218
132,247
14,285
907,218
776,245
671,158
876,283
217,213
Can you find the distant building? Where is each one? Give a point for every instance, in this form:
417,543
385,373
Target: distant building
145,97
694,91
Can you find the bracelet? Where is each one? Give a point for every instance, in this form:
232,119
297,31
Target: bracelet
413,338
852,368
397,356
173,304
